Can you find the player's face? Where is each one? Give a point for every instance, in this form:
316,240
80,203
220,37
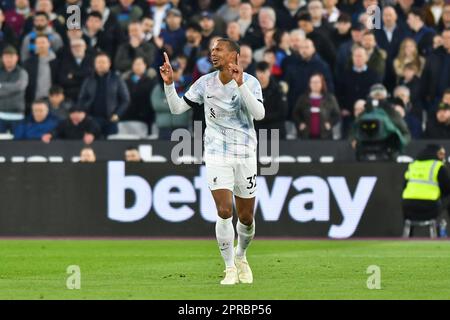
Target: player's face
221,56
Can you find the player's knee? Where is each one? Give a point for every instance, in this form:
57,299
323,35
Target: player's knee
225,211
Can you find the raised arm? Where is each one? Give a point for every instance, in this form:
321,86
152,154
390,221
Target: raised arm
177,105
254,106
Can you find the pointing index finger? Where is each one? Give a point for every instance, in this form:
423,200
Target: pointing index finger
166,58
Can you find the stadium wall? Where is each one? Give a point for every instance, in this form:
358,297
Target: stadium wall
119,200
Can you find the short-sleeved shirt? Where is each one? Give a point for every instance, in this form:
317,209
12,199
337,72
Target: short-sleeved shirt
229,125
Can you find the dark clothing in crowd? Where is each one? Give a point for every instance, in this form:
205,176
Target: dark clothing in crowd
275,105
68,131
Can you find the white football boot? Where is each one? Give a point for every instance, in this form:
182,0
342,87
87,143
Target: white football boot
231,276
243,269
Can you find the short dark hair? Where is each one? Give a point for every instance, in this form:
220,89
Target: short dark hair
418,13
262,66
131,148
305,16
232,45
42,13
40,101
55,89
95,14
102,54
194,26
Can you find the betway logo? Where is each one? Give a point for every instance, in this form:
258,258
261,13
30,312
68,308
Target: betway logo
270,202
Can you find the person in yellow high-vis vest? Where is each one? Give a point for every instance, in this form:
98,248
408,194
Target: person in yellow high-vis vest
427,182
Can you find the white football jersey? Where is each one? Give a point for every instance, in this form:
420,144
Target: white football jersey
229,125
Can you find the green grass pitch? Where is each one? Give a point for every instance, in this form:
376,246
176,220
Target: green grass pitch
192,269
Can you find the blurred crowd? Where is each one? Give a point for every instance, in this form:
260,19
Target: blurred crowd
320,64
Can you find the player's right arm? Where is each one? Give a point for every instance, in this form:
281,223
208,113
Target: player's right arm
177,105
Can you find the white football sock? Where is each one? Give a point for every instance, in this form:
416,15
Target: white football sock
245,236
225,239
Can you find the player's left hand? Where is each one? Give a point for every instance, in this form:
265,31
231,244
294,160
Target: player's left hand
237,72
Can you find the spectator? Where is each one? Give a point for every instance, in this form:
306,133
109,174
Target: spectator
344,53
408,54
377,56
438,127
246,60
74,67
412,82
282,50
275,102
8,36
267,20
296,38
389,39
104,95
422,34
96,37
358,108
78,126
436,74
87,155
204,64
41,70
15,18
58,23
57,102
287,13
331,12
147,28
341,32
110,26
158,12
174,35
316,11
421,198
354,84
403,7
41,27
208,29
136,47
404,108
444,22
322,44
247,25
433,12
13,83
269,43
233,31
229,11
40,122
140,85
132,155
297,74
192,49
317,111
126,12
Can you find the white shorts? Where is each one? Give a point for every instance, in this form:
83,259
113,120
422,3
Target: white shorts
235,174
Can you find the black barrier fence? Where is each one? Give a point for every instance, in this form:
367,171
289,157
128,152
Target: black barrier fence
339,151
117,199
